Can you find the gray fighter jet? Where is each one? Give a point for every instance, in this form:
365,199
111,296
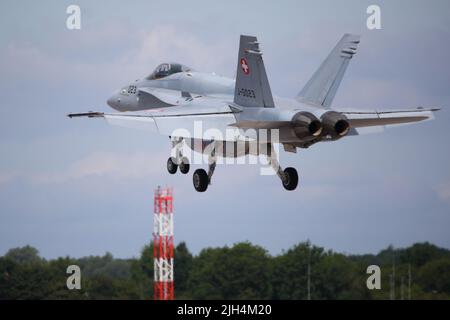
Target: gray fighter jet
176,100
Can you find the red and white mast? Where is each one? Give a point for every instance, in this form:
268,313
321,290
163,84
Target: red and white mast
163,244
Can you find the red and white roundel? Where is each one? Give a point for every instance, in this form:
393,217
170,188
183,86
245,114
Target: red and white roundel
244,66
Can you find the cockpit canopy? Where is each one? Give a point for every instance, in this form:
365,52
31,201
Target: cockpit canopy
167,69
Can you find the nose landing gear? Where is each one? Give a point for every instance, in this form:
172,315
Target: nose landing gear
178,161
184,165
171,165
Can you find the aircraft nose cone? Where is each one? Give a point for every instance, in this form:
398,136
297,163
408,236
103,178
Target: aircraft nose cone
113,101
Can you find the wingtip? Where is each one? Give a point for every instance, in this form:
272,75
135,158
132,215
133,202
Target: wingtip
434,109
90,114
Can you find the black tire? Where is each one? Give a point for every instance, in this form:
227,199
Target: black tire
200,180
291,181
184,166
171,166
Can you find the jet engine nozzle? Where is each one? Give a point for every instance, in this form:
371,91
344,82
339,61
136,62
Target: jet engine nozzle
335,124
306,124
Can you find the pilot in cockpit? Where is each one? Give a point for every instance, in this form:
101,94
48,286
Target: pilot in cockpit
167,69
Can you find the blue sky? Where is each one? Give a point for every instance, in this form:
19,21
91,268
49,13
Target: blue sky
80,187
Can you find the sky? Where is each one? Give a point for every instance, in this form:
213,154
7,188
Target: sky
80,187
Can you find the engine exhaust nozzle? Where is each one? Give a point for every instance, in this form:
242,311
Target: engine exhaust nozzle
335,124
306,124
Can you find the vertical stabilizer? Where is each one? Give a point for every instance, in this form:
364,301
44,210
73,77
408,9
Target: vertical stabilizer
252,87
323,85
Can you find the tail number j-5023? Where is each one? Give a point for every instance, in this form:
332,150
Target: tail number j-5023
248,93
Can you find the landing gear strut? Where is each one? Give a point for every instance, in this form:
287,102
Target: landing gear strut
288,176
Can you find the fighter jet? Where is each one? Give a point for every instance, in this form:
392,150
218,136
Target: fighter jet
175,99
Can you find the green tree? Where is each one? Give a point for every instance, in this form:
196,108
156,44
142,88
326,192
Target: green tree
106,266
182,268
25,254
290,277
435,276
240,272
142,272
421,253
243,271
337,277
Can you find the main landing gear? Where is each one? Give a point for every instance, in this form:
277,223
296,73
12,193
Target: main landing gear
202,179
288,176
290,180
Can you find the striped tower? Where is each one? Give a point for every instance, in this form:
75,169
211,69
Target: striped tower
163,244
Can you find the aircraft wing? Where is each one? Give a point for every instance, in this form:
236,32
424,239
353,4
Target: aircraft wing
199,122
375,121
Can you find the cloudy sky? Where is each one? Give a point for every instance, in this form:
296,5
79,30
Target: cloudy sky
81,187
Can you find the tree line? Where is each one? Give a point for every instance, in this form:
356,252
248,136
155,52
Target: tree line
242,271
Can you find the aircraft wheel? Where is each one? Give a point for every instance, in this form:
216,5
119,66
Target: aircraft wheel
200,180
171,166
184,166
291,180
